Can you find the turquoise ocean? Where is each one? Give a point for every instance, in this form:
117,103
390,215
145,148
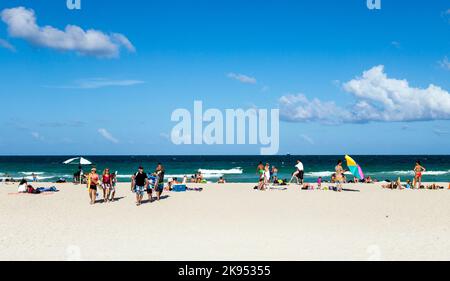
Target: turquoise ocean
233,168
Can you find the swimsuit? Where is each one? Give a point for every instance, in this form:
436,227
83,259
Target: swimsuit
106,182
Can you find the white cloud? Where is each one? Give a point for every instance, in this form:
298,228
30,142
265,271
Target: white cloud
445,63
265,89
377,98
396,44
298,108
308,139
107,135
164,136
22,24
37,136
446,15
5,44
242,78
97,83
440,132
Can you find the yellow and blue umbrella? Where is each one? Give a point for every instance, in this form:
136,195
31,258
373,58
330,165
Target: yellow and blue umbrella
354,168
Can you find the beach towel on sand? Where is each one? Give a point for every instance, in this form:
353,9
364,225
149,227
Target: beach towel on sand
179,188
50,189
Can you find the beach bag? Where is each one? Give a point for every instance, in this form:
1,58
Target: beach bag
152,181
179,188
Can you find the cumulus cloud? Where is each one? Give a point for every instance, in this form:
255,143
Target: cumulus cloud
22,23
6,45
107,135
378,98
242,78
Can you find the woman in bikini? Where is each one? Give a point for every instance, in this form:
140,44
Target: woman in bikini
92,182
340,175
106,185
418,172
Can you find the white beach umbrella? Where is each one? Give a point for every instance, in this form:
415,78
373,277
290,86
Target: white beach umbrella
78,161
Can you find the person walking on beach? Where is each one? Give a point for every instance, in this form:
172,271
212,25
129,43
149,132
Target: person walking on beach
274,174
92,183
264,178
159,185
106,185
418,172
299,173
35,179
260,170
139,185
340,177
112,191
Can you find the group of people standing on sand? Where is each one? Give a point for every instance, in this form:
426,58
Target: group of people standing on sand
107,182
141,183
416,183
268,176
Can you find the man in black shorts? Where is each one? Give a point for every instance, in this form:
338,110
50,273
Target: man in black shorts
140,184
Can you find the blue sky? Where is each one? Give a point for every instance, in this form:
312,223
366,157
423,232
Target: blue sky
70,98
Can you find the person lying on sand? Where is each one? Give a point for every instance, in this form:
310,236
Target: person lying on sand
23,186
434,187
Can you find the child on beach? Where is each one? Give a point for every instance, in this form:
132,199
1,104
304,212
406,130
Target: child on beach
319,183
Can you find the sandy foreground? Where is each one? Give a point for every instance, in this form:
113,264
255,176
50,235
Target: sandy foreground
228,222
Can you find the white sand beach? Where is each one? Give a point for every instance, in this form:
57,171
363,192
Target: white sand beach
227,222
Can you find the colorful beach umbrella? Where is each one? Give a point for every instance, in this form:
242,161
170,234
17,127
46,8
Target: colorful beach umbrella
354,168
